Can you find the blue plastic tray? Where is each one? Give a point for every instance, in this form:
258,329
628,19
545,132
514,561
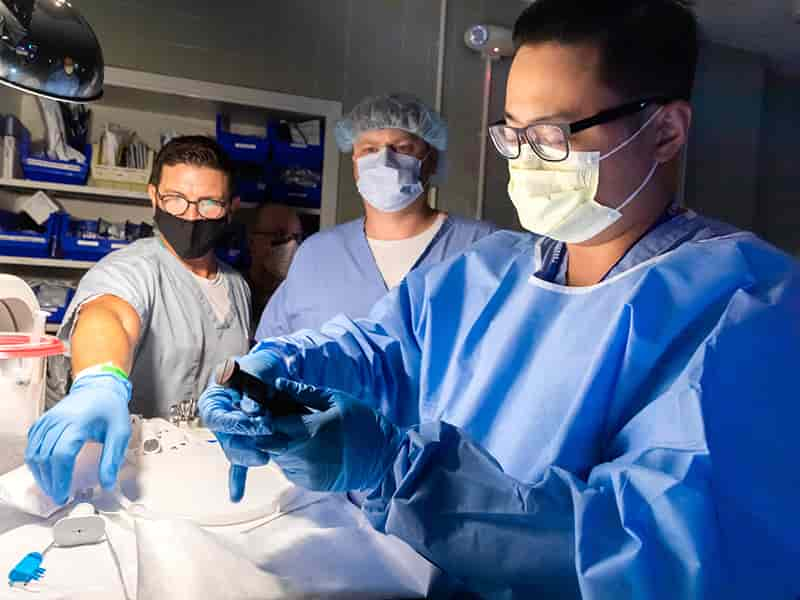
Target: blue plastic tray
286,154
74,245
57,316
283,190
26,243
55,171
296,195
242,148
253,190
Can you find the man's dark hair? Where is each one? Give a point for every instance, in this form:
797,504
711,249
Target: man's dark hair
647,47
195,150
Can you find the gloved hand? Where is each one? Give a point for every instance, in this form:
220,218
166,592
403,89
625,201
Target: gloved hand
345,446
96,409
221,411
236,418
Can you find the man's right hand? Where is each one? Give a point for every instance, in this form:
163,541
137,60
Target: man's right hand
96,409
236,418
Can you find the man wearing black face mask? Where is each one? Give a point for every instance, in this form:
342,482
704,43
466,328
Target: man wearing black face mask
148,322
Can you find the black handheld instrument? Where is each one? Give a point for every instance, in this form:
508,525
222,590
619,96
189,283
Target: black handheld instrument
228,374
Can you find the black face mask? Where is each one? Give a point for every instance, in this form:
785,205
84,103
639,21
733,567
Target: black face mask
190,239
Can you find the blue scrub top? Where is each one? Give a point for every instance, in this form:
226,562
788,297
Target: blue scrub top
181,339
676,227
334,272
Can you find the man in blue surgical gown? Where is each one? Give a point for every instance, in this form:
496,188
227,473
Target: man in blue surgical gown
605,409
397,145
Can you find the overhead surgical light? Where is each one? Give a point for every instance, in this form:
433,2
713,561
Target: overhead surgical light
48,49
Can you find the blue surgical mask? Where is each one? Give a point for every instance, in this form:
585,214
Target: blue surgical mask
389,181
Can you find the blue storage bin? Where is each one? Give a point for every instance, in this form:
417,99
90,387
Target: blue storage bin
285,153
41,168
297,186
241,148
251,182
14,242
233,247
79,240
56,314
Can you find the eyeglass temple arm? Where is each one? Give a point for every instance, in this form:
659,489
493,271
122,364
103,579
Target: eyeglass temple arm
613,114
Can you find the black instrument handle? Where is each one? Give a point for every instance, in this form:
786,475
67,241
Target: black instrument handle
229,374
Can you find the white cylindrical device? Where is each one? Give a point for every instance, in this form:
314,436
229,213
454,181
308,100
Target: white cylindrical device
24,350
490,40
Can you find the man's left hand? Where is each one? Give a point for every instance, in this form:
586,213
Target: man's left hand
343,445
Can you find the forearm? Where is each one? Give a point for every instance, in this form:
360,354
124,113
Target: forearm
356,357
450,501
377,359
103,335
558,537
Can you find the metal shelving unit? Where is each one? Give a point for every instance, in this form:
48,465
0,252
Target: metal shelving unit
150,104
74,191
60,263
95,193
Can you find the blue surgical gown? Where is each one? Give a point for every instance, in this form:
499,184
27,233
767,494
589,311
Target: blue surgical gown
334,272
631,439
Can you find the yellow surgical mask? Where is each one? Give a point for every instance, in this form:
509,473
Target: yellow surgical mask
558,199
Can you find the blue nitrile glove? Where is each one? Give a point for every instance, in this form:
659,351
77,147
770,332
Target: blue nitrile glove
345,446
236,419
221,411
266,364
96,409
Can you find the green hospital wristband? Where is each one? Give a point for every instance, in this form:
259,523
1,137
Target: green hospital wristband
109,368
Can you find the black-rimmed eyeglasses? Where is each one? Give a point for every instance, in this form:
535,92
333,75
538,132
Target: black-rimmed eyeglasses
550,141
277,238
177,205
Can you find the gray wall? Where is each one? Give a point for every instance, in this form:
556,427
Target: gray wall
497,205
464,79
742,162
339,50
778,217
722,170
741,165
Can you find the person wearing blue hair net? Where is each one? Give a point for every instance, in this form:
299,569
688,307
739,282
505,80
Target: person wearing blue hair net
397,145
605,408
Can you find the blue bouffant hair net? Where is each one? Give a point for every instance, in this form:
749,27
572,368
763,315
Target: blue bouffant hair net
395,111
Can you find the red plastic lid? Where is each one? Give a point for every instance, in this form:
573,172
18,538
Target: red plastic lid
22,345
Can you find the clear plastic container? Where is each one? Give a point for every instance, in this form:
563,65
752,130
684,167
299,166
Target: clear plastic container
23,362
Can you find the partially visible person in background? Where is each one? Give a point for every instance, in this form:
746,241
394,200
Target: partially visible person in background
64,80
273,237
